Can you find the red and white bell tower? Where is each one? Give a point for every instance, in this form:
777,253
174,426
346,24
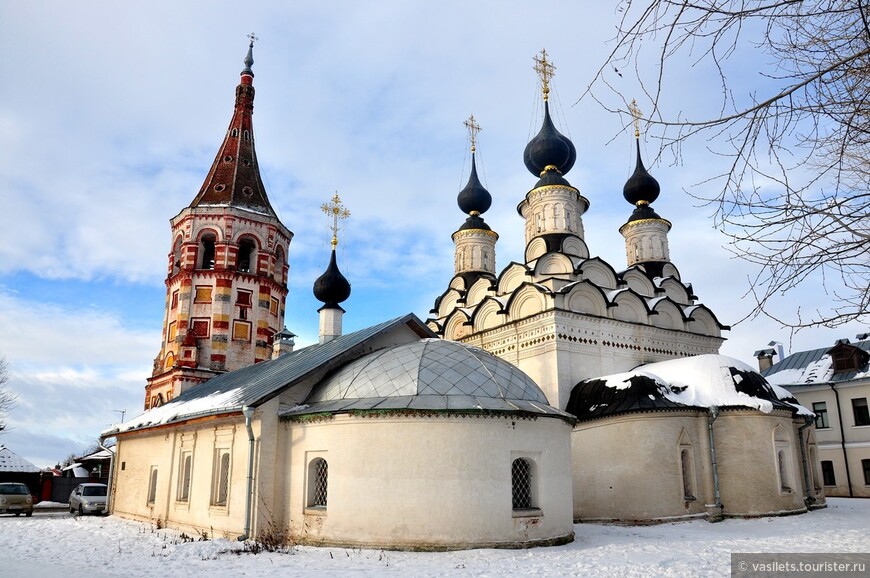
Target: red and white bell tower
226,282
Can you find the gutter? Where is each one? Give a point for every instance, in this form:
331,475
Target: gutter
715,509
248,412
808,494
842,438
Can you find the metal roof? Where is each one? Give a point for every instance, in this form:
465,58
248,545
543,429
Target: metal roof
430,374
256,384
803,359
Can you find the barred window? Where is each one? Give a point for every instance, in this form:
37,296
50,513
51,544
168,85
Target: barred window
318,481
521,484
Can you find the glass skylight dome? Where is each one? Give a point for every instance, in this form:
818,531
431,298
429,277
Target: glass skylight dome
431,374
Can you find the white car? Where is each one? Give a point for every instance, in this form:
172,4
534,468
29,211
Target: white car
88,499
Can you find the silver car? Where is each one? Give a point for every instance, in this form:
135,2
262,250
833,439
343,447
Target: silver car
15,499
88,499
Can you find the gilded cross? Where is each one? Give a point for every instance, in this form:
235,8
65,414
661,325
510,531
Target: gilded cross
337,210
637,115
545,70
473,129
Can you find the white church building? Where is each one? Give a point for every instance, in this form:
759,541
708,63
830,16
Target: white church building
560,389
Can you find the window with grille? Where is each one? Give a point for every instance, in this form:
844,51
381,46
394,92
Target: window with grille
820,408
221,481
521,484
318,482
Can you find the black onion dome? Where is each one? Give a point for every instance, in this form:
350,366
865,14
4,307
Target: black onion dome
474,197
641,187
549,147
331,287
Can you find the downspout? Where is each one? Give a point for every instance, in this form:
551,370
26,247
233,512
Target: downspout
842,438
808,494
716,506
111,484
248,412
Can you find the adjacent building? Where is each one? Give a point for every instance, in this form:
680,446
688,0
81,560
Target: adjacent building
834,382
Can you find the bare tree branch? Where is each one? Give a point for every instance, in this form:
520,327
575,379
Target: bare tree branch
7,398
792,195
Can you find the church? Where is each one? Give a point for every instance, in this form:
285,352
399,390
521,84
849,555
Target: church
556,390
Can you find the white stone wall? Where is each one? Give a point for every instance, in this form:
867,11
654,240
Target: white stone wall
428,482
628,467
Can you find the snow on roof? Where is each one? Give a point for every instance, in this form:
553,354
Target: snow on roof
9,462
214,403
701,381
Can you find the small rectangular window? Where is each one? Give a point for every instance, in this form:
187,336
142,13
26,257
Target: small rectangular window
820,408
243,298
865,464
860,411
241,330
273,306
202,294
174,299
171,333
828,473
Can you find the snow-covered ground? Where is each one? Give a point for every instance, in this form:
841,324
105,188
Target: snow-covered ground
56,543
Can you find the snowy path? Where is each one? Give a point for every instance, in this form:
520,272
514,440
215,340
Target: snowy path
58,544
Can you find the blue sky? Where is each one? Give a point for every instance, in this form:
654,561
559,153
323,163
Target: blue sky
112,114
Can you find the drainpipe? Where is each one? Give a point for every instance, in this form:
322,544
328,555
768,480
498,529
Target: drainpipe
717,502
842,438
248,412
111,484
808,497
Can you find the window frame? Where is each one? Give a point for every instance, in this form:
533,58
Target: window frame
860,411
318,484
152,486
821,415
828,470
221,477
185,476
524,495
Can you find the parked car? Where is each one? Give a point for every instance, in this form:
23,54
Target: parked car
15,499
88,499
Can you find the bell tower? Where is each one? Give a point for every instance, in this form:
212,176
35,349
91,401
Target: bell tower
226,281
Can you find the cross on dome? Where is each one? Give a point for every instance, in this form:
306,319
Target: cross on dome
337,210
637,115
545,70
473,129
